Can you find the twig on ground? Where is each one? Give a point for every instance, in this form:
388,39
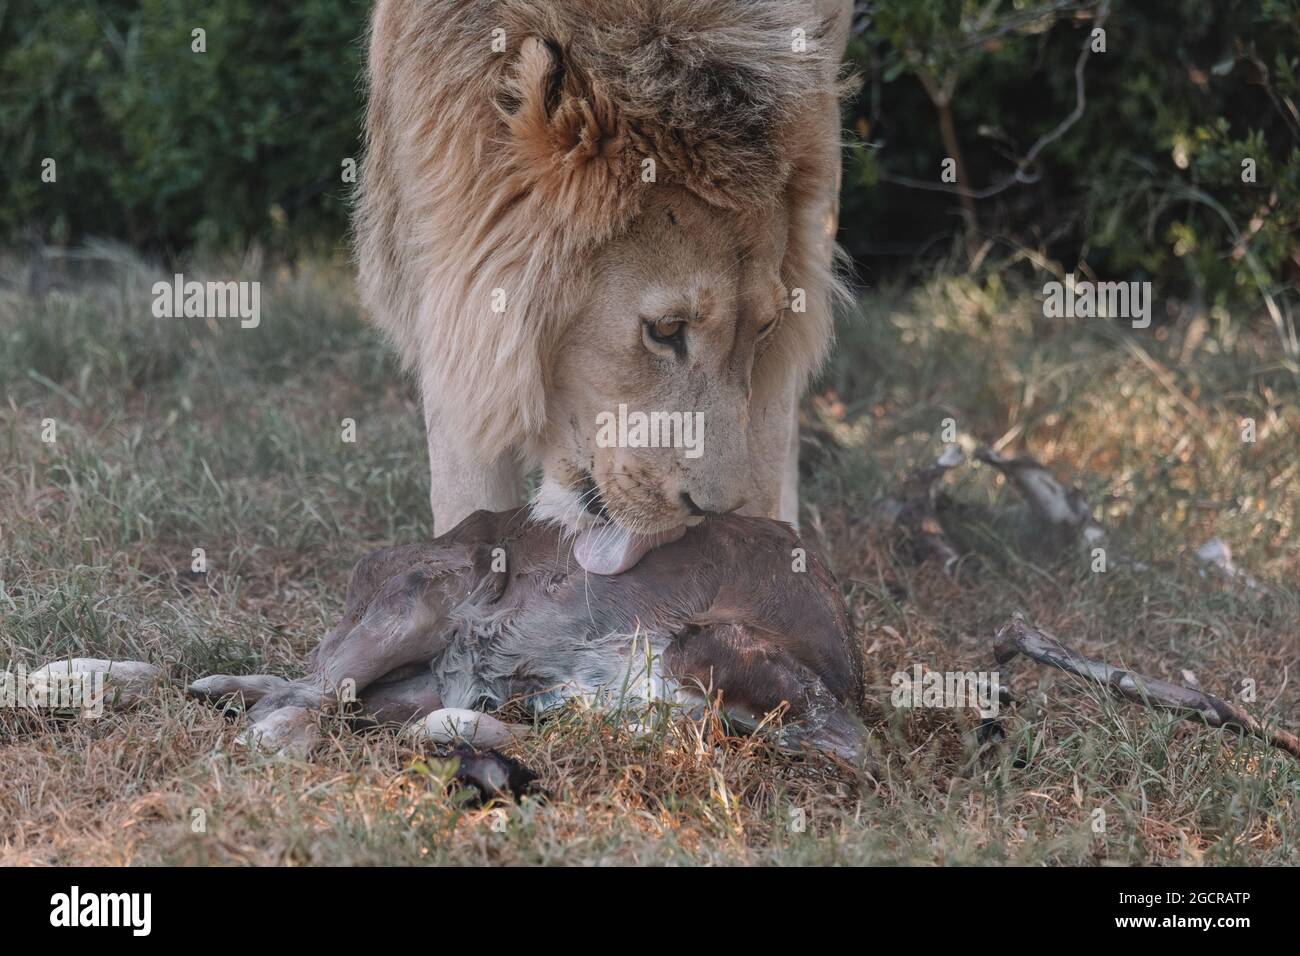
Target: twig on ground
1019,636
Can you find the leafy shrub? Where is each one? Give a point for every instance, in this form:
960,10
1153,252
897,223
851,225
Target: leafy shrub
167,148
1148,183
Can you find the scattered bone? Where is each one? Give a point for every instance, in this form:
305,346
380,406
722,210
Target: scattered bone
914,516
914,513
1019,636
1055,504
1067,509
1216,555
1062,508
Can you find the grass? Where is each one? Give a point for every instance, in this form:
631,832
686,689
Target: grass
174,435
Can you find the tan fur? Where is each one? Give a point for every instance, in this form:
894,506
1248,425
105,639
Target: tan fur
520,173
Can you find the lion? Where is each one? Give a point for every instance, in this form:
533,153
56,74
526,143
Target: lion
569,209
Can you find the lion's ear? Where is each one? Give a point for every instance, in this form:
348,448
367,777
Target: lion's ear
532,82
557,116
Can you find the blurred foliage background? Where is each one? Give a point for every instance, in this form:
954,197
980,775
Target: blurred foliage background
171,150
166,148
1147,184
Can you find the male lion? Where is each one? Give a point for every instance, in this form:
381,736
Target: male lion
568,206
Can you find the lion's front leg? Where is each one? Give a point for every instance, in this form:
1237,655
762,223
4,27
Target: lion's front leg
790,474
774,455
460,483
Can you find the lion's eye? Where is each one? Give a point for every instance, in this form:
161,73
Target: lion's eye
765,329
667,331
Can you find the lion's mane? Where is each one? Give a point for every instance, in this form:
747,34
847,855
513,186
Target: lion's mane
491,175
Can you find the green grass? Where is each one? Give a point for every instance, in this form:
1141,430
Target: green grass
181,434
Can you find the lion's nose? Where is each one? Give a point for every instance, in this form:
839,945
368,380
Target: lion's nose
708,508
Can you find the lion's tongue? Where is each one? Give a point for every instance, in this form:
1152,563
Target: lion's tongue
606,550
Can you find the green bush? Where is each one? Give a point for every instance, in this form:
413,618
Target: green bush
1146,185
166,147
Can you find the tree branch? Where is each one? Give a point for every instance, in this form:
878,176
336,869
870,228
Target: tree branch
1019,636
1020,176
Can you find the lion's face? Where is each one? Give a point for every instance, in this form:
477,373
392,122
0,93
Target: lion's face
678,314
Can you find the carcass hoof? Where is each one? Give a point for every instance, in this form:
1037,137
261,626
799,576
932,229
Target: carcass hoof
450,724
288,732
252,687
489,775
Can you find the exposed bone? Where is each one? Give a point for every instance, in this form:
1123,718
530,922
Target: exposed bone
1066,509
1052,502
913,513
1019,636
1216,555
1062,508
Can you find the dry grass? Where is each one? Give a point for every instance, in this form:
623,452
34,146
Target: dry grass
178,434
